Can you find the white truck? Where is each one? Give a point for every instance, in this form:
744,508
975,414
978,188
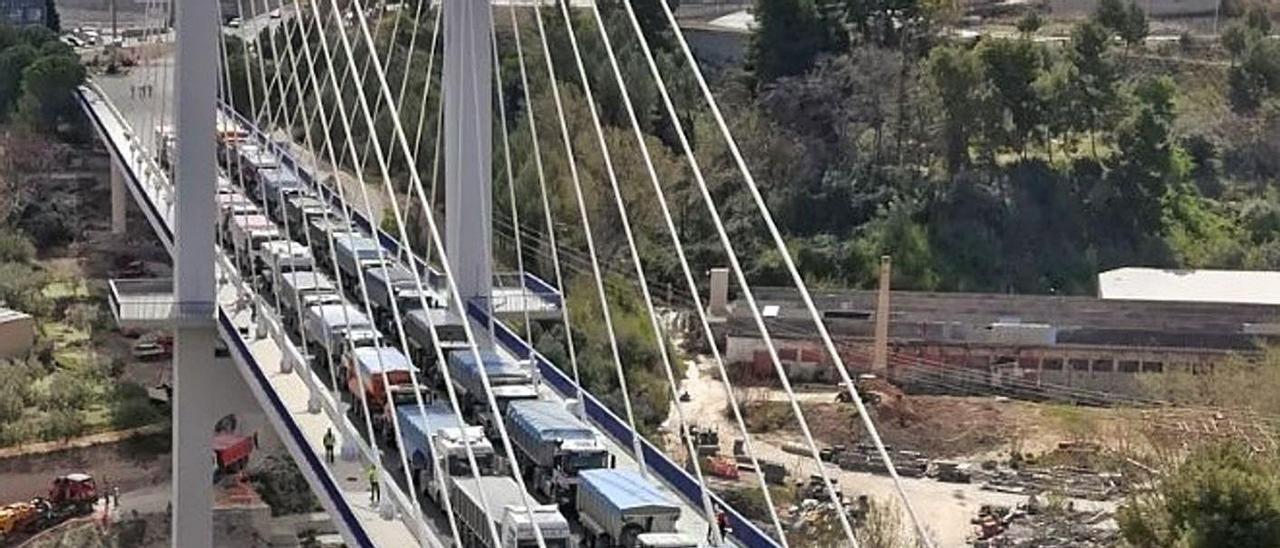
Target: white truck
302,290
477,502
356,253
553,446
248,233
396,282
300,209
434,445
620,507
417,329
330,327
282,257
321,230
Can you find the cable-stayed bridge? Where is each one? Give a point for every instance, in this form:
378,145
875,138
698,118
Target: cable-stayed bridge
249,212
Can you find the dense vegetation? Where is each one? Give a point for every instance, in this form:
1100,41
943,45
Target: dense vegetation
1222,495
40,74
67,386
996,164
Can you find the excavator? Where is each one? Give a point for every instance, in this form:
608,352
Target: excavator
69,496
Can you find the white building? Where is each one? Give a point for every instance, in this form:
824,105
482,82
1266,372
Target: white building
1209,286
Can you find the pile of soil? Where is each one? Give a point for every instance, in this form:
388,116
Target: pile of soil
939,426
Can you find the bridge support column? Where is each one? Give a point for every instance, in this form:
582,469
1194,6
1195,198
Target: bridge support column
119,195
467,145
195,370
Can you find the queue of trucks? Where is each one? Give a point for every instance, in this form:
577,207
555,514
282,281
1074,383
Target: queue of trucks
305,262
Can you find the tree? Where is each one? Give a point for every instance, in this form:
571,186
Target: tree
1011,68
1221,495
955,75
1144,163
51,17
1094,82
1111,14
1255,77
788,39
1257,19
1235,39
13,61
1135,28
885,23
1030,22
47,91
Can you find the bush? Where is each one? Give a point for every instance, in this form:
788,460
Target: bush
15,247
283,487
62,424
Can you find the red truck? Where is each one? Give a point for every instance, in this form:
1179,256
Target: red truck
231,453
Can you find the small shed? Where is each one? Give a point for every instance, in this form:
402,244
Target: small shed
17,333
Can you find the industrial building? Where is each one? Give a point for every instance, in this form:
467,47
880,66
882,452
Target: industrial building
22,12
1102,344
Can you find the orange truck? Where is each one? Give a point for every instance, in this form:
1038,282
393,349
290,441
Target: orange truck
371,371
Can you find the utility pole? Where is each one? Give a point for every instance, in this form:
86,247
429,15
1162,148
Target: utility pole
194,366
880,354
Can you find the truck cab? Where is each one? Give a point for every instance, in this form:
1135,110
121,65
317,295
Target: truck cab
517,529
437,449
276,186
554,446
300,209
356,253
248,233
303,290
393,282
418,325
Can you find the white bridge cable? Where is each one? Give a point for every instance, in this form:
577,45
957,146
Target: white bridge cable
586,224
417,388
685,269
511,189
364,404
922,534
443,364
796,409
454,293
655,323
448,272
545,198
329,146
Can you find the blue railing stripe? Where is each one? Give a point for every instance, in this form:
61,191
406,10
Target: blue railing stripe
684,483
313,462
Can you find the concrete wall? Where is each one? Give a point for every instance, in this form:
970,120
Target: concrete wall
16,336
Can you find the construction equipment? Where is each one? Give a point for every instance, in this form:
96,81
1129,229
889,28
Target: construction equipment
721,467
69,496
230,453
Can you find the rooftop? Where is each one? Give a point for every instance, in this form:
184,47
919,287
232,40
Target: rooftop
1207,286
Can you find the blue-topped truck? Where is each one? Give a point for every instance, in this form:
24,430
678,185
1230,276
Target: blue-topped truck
436,447
553,446
619,507
510,381
477,502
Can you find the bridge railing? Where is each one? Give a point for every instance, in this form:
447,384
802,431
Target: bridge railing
744,530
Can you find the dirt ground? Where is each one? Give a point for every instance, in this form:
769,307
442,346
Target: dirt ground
132,464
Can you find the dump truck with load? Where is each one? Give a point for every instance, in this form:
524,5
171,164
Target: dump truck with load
299,209
553,446
323,229
69,496
369,373
277,185
253,162
623,508
302,290
355,254
417,329
478,502
284,256
436,448
393,281
248,233
230,453
509,381
330,327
